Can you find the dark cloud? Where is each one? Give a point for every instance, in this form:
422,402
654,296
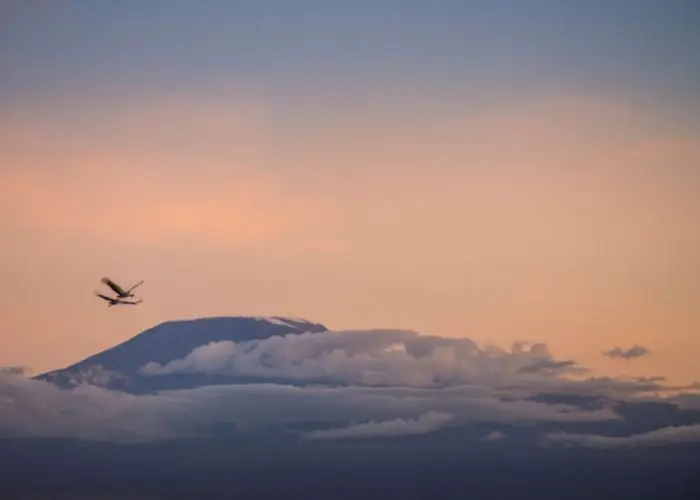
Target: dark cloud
618,387
636,351
547,366
682,434
688,400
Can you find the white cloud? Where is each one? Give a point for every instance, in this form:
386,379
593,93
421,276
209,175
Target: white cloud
428,422
31,408
371,358
401,358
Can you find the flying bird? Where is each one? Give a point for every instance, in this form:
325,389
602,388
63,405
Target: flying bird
121,293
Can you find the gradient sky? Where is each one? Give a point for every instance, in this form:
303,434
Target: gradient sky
501,170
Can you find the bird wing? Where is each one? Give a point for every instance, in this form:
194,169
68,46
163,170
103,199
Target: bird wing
109,299
117,289
132,288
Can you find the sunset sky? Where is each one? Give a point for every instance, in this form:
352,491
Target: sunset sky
499,170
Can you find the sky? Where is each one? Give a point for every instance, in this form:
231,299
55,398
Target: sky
503,171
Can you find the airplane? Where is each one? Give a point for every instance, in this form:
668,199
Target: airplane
113,301
121,293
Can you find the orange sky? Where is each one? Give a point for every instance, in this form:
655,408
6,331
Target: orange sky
569,221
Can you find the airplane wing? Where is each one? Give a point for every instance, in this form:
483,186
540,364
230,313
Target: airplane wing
109,299
132,288
117,289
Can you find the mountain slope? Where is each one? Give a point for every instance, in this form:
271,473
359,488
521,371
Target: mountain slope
117,367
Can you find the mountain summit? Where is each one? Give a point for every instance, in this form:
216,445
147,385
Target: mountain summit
118,367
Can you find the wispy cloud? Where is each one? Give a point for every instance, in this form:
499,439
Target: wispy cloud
659,437
424,424
15,370
549,366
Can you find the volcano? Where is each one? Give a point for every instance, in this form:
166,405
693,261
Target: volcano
118,367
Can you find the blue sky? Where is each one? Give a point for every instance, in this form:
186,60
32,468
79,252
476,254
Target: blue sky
327,51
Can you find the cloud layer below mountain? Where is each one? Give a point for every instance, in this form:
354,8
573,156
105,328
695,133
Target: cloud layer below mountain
357,384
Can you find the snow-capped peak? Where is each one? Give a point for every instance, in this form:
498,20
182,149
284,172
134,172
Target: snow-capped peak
284,320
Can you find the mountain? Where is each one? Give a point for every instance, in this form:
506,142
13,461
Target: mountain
117,367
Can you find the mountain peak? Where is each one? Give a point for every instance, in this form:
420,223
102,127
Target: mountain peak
117,367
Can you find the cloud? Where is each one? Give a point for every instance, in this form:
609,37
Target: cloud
392,379
690,399
357,383
371,358
494,437
33,408
30,408
547,366
618,387
636,351
428,422
16,370
659,437
375,358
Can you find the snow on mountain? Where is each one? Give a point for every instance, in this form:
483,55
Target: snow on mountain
117,367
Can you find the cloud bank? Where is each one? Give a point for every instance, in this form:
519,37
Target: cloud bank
33,408
346,384
372,358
